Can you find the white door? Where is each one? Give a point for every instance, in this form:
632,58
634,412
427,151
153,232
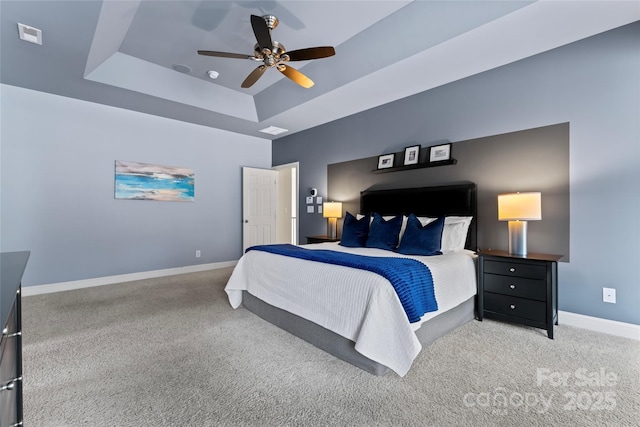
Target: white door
259,201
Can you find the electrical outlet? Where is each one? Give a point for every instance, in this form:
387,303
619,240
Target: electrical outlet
609,295
198,253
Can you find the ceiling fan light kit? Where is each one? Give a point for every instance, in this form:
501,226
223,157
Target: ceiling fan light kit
273,54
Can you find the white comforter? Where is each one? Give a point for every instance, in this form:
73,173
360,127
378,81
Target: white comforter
356,304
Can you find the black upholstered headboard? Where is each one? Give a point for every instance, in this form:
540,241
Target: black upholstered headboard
443,200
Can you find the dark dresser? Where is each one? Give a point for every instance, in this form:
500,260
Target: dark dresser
12,265
519,288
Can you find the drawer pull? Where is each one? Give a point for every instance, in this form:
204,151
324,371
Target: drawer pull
11,384
513,270
18,424
6,334
512,286
512,306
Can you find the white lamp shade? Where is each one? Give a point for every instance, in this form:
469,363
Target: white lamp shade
332,210
520,207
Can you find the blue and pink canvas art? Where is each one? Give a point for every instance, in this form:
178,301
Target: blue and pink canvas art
142,181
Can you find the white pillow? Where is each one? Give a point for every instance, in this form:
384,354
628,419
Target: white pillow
454,234
424,220
403,227
386,217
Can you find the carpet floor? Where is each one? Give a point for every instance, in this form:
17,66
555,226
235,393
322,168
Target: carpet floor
172,352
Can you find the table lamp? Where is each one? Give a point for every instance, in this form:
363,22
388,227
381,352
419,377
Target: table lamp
332,211
518,208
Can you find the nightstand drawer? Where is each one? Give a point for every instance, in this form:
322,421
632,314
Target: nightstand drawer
515,286
514,306
509,268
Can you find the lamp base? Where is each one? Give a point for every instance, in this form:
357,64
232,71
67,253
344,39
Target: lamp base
518,237
332,228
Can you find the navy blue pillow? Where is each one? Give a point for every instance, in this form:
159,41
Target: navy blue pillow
354,231
384,234
419,240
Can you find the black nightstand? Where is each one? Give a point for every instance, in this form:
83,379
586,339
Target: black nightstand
519,289
321,239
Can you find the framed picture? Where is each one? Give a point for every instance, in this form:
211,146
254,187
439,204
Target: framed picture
385,161
411,155
144,181
438,153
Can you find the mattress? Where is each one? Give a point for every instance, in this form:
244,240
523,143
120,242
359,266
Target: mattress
358,305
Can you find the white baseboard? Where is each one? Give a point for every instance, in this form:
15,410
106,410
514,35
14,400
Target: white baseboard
109,280
611,327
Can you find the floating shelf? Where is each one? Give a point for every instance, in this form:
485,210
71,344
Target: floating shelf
416,166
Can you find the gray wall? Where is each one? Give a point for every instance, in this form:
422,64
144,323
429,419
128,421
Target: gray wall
530,160
57,175
593,85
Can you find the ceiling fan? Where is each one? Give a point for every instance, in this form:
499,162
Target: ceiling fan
273,54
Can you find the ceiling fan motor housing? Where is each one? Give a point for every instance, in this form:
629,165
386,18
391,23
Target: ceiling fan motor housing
273,54
277,53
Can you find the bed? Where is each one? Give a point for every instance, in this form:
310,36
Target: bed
356,315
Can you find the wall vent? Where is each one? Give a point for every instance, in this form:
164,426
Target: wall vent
30,34
273,130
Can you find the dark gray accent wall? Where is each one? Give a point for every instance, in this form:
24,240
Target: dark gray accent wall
592,84
531,160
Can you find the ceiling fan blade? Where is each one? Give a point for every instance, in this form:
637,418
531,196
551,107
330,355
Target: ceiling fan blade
311,53
224,54
296,76
254,76
261,31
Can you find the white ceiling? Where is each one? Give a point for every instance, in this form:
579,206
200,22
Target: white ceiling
123,53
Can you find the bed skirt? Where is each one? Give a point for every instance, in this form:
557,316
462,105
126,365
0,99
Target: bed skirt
344,348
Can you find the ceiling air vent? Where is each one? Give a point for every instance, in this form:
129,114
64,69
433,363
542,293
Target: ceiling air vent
30,34
273,130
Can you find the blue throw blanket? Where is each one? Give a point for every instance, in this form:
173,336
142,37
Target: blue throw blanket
411,279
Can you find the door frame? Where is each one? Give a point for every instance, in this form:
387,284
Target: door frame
295,195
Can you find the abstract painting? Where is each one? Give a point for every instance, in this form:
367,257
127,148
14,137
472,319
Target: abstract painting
142,181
